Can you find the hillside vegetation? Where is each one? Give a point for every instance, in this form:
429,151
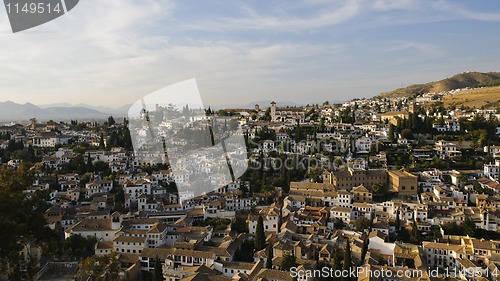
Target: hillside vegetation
459,81
488,97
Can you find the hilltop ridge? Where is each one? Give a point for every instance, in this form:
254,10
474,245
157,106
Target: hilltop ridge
458,81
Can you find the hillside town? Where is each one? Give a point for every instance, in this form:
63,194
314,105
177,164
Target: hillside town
387,188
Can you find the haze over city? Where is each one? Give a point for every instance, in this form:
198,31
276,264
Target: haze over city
110,53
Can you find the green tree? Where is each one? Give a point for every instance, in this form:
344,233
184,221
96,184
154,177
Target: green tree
239,225
245,252
390,134
157,273
337,261
417,237
338,223
469,226
260,236
79,247
111,121
288,262
398,220
404,235
119,199
21,217
269,261
263,183
97,268
101,142
102,168
400,124
347,262
90,165
222,112
407,134
380,190
362,223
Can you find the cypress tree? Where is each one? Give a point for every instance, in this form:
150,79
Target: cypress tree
263,183
31,152
417,237
101,142
337,261
391,133
398,220
410,121
347,259
157,273
280,218
90,165
260,236
269,262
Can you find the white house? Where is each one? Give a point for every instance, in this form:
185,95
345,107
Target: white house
343,213
363,145
448,126
136,188
344,198
446,150
98,186
129,244
378,242
104,229
491,171
49,139
270,218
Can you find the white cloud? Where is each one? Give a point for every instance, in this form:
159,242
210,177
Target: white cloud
462,12
426,49
328,14
114,58
81,54
386,5
113,52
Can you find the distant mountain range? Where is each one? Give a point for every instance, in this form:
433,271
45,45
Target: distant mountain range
14,112
459,81
121,111
11,112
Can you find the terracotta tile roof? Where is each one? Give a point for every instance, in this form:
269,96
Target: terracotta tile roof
92,225
161,253
272,274
129,239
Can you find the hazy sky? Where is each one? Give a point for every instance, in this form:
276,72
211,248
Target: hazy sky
112,52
